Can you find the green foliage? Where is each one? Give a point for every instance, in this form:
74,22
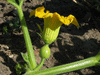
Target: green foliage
5,29
93,4
96,4
13,25
25,57
20,68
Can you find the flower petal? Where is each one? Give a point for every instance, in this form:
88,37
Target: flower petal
73,20
39,12
32,13
55,18
51,20
70,19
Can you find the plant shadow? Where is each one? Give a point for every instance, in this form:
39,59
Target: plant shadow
78,51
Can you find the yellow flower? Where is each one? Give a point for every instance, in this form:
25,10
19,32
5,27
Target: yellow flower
52,23
39,12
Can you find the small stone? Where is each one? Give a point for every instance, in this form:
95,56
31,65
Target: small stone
1,14
11,56
1,20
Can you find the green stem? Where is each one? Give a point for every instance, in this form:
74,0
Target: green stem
40,65
98,56
92,61
29,47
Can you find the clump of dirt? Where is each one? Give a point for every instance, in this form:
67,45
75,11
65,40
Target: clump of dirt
73,44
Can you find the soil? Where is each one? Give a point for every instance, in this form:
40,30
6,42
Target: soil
73,44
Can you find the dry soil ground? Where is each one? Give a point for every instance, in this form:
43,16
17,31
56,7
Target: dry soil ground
73,44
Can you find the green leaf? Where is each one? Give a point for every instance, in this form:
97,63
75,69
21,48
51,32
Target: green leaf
25,57
39,28
5,29
98,8
16,20
39,34
20,68
11,24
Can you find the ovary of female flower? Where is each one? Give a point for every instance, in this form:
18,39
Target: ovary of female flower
52,23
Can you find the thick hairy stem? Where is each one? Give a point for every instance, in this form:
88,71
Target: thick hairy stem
29,47
92,61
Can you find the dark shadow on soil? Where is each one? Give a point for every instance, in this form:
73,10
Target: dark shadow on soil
81,50
65,8
8,62
69,53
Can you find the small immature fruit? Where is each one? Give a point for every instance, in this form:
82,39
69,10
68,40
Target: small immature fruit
45,51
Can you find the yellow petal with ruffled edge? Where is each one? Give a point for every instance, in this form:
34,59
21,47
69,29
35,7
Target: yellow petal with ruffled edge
73,20
52,23
39,12
68,20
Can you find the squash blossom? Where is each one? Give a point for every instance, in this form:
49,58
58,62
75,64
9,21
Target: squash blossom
52,23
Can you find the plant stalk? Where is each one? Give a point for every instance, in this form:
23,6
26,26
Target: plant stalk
92,61
29,46
40,65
